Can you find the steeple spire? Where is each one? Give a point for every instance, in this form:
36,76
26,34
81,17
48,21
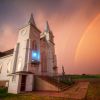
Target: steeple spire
31,20
47,28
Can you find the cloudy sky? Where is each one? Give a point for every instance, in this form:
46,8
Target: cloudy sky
68,19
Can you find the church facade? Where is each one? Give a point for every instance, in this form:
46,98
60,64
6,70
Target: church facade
33,55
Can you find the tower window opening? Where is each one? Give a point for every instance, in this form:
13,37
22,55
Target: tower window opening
35,53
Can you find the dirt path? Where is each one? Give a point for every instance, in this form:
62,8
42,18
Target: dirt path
77,92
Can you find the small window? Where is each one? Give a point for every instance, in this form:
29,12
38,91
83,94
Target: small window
34,45
19,64
0,67
9,66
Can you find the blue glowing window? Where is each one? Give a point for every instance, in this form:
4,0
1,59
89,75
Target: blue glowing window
35,56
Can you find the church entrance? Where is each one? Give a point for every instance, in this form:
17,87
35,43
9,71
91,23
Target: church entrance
23,83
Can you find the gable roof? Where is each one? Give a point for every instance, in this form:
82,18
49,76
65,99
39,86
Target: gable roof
5,53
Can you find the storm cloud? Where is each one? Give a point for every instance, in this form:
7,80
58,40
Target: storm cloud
68,20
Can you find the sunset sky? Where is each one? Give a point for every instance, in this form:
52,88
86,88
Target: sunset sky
75,25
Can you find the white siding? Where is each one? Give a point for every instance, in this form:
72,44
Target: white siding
6,64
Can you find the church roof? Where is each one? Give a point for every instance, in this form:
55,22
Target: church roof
5,53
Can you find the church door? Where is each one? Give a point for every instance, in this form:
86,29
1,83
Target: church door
23,82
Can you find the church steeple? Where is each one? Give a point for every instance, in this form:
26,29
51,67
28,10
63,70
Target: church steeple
31,20
47,28
48,33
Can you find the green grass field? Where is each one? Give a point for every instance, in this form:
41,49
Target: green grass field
83,76
7,96
94,91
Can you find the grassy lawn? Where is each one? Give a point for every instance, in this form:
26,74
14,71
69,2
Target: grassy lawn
94,87
30,97
7,96
83,76
94,91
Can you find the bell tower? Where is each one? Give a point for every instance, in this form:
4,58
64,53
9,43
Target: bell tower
48,33
50,51
26,58
27,51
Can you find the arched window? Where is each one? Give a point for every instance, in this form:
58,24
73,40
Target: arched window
43,62
0,67
35,52
9,66
19,64
34,45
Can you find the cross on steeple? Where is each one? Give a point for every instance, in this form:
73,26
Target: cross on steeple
31,20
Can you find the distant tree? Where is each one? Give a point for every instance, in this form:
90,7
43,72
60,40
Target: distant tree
83,74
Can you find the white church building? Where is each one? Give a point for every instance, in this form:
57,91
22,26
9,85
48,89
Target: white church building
32,56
